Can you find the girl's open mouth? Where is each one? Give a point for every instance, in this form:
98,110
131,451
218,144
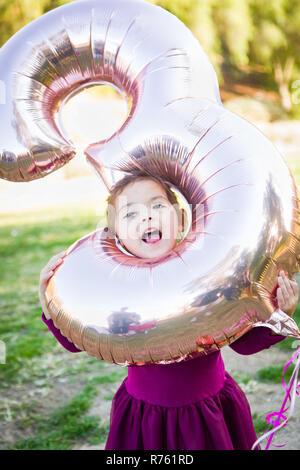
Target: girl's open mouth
152,236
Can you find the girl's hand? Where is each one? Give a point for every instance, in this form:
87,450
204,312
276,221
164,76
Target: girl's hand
46,274
287,294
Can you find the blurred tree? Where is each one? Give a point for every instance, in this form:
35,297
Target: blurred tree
15,14
234,25
203,26
51,4
276,42
223,27
238,33
197,15
183,9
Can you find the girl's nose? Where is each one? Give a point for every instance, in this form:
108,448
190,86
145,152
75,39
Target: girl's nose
149,217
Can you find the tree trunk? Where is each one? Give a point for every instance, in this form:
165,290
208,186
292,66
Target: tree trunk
283,75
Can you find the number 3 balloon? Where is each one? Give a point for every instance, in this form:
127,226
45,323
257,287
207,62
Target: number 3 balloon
244,219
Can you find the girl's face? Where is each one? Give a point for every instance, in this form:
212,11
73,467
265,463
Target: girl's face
145,220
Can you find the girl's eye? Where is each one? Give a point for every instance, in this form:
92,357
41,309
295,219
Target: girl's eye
129,214
158,205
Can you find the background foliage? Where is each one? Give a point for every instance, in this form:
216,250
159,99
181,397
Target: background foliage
241,37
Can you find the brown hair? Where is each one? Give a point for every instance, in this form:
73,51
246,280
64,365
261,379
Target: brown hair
128,179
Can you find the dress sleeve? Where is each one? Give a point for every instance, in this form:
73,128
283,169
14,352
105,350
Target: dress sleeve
60,338
255,340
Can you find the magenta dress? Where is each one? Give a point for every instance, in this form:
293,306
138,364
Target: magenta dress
190,405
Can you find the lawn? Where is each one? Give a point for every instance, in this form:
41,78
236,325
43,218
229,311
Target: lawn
46,392
27,242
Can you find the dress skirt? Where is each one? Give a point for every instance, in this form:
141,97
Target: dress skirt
191,405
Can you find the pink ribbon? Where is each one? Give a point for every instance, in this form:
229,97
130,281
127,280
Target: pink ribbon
292,386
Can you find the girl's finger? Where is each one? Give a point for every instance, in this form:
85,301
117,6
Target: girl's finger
59,256
48,275
284,288
287,283
294,287
290,284
47,272
280,299
56,257
54,265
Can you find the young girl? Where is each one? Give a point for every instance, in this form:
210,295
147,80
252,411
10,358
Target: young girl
193,404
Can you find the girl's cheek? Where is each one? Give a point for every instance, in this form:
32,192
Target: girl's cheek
132,231
123,231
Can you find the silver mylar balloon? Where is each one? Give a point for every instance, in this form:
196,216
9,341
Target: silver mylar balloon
245,217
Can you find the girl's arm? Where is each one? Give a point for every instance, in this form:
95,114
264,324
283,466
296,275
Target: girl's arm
262,337
255,340
46,274
60,338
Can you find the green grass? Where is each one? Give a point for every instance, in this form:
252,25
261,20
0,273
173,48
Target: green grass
27,242
260,424
66,425
69,423
241,378
273,374
34,360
